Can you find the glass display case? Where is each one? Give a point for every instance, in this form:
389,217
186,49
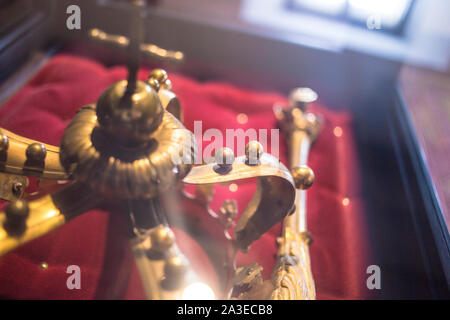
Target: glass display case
346,94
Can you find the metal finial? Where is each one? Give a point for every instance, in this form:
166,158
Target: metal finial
134,46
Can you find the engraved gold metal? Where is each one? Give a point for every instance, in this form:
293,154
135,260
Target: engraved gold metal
14,159
292,278
126,172
271,202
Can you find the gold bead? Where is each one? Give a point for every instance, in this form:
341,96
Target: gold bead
16,215
162,238
253,152
159,74
36,152
152,82
17,210
131,119
224,157
175,267
4,142
303,177
43,265
161,77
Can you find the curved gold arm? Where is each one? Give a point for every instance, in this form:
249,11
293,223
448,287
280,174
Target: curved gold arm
23,156
272,201
46,214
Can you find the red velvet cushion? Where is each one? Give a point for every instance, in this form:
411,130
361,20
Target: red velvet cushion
97,242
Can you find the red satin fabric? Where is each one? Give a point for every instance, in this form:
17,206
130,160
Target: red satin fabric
97,241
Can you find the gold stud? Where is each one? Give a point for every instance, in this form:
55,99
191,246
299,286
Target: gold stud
36,152
303,177
4,142
159,74
17,209
224,157
152,82
160,77
17,213
253,152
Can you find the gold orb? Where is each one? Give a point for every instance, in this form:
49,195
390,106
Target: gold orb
159,74
130,116
16,216
253,152
36,152
152,82
303,177
224,157
162,238
17,209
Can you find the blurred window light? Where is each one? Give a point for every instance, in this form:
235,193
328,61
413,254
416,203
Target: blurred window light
389,12
332,7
